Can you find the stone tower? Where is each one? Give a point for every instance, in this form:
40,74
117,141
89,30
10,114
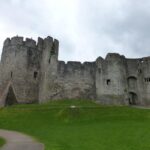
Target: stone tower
24,65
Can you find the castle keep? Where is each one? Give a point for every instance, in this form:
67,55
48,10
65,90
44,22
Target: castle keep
31,72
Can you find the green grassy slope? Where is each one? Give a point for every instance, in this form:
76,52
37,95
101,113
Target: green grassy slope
2,142
90,127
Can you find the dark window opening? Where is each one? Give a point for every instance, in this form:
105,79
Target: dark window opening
133,98
99,70
130,103
29,52
49,61
35,74
147,79
11,74
140,71
108,81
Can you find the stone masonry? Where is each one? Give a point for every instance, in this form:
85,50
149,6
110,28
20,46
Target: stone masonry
30,72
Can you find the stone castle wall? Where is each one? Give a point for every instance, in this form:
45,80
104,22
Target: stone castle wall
37,75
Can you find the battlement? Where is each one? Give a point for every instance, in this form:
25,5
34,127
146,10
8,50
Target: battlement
72,66
17,40
114,57
29,42
7,42
76,64
13,41
49,44
40,43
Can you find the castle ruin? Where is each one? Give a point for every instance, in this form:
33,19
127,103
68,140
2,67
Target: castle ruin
30,72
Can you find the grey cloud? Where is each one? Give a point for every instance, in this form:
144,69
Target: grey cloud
86,29
125,27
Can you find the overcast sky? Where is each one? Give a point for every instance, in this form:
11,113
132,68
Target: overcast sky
86,29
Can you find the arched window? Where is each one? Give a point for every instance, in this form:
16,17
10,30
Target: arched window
35,74
108,81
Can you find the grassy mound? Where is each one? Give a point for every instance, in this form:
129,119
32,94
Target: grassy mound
80,125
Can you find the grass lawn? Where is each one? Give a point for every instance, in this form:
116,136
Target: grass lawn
87,128
2,142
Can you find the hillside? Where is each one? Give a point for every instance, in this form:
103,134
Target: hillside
62,126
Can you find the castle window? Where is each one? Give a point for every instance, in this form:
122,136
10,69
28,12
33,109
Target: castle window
147,79
35,74
49,61
99,70
139,71
108,81
29,52
11,74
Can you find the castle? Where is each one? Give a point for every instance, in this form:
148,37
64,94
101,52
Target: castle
30,72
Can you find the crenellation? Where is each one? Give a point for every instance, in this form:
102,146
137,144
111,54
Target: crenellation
55,46
30,43
17,40
74,65
146,59
61,67
99,59
7,42
48,42
86,63
40,43
110,56
61,63
89,67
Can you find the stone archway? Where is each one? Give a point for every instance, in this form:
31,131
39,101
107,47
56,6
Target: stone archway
133,98
10,97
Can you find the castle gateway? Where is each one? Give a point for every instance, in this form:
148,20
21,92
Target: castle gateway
31,72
